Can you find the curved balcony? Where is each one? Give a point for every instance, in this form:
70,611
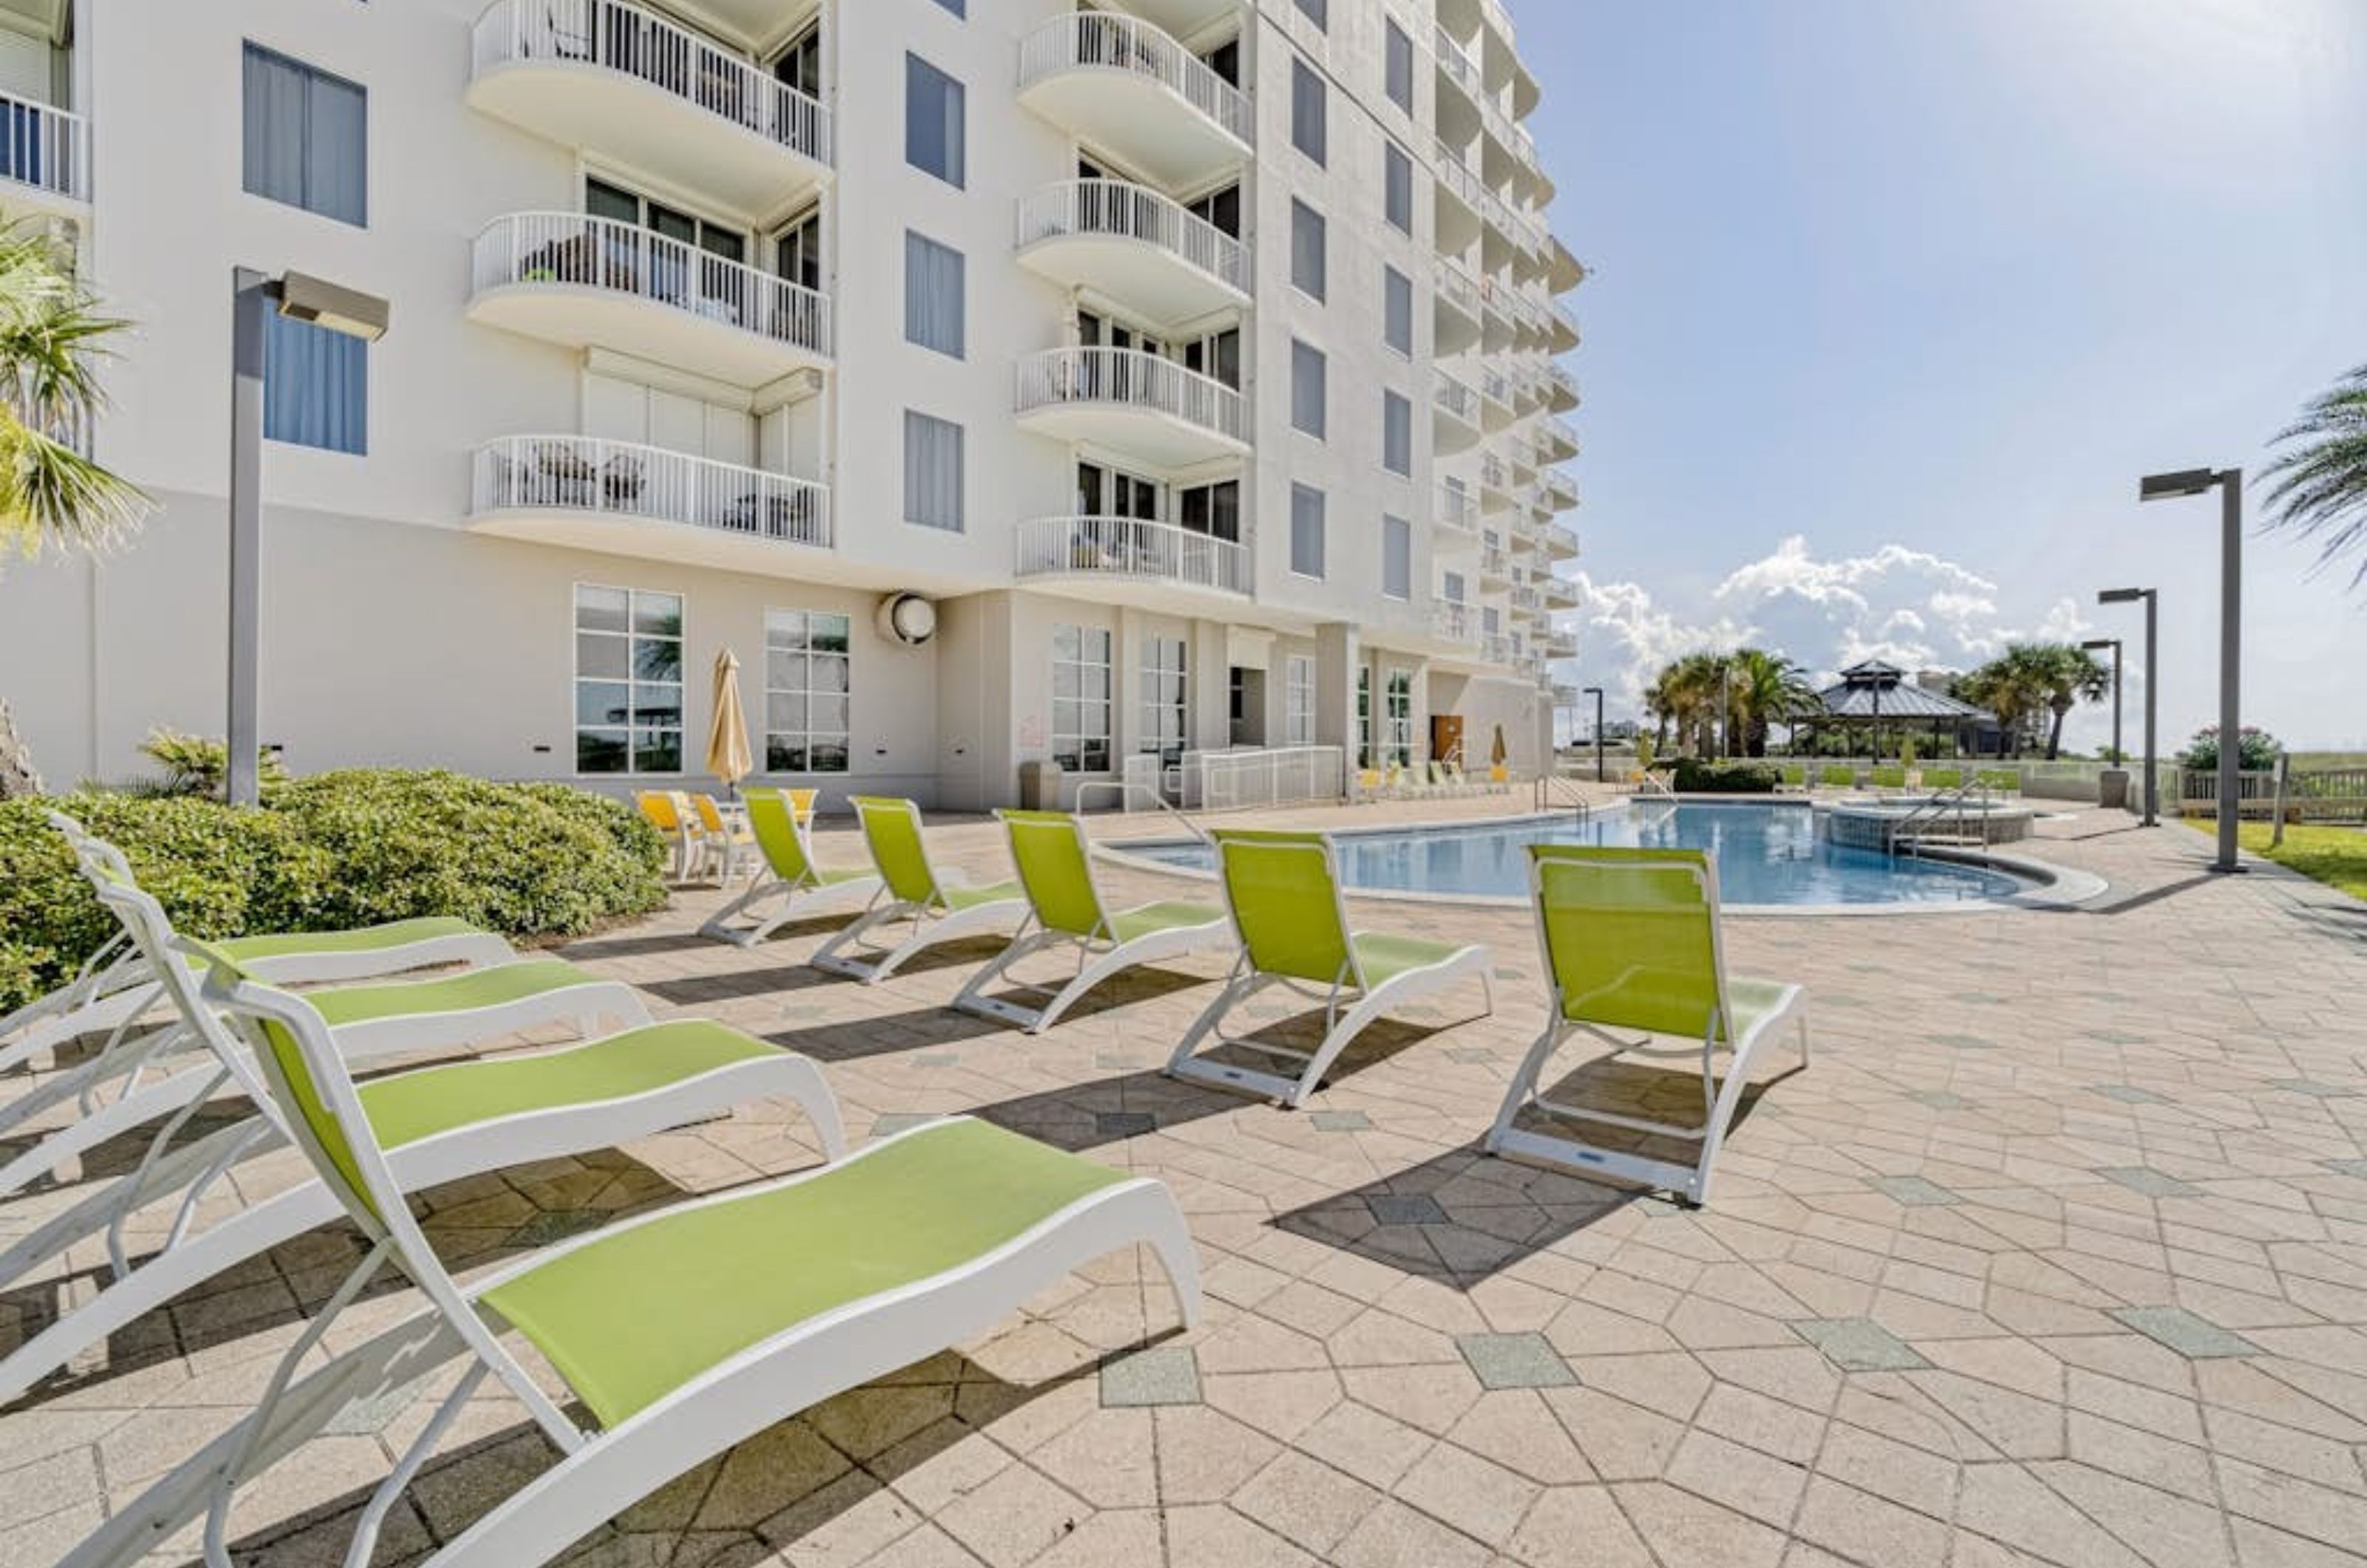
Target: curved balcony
1561,389
580,281
1563,271
1558,543
1561,645
627,499
1134,245
1135,402
1454,317
1454,624
1460,201
44,157
608,77
1128,87
1129,560
1556,440
1496,395
1558,592
1563,325
1495,483
1455,409
1456,514
1495,564
1560,490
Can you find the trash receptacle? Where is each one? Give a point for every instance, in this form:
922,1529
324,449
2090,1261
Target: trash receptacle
2112,789
1039,787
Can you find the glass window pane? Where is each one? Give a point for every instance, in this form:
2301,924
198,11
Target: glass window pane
657,751
603,702
783,755
829,673
600,609
659,614
828,716
657,705
609,657
600,750
830,633
657,659
785,628
785,711
828,757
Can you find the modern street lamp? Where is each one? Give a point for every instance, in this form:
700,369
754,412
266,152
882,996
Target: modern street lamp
2096,644
2197,482
303,299
2153,691
1596,692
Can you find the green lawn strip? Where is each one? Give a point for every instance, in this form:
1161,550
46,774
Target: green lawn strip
2335,856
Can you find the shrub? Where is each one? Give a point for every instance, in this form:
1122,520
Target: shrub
194,765
2256,749
325,853
1697,777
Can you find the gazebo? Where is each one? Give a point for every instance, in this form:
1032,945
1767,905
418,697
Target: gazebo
1872,694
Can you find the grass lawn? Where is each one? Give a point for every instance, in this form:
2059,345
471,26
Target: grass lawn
2335,856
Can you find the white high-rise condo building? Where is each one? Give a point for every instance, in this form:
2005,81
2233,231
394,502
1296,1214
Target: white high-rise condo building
1004,381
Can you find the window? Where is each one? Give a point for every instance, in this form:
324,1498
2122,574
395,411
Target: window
933,295
1397,310
799,65
1220,210
306,137
602,199
1306,530
1308,131
1397,187
1306,248
315,386
1363,715
807,670
933,472
1211,509
1396,434
1308,370
1399,739
1491,620
1080,699
1397,559
1452,589
1166,714
797,252
958,7
1397,70
1316,11
628,681
934,142
1298,702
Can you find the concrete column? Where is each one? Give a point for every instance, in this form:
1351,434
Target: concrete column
1420,711
1338,655
1209,690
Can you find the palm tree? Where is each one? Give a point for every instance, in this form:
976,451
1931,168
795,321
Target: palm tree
2321,484
2070,675
2034,677
52,494
1769,688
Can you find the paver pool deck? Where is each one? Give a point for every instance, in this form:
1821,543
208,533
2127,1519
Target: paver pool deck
2056,1254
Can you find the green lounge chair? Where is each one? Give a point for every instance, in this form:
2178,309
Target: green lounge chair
1792,776
803,887
2005,781
1836,777
436,1123
1283,890
1066,909
1887,778
1943,778
450,1013
939,911
679,1333
1630,941
115,987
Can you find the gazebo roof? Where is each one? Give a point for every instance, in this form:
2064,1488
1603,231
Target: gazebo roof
1873,689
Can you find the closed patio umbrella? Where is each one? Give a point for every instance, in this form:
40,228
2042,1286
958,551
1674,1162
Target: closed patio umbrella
728,757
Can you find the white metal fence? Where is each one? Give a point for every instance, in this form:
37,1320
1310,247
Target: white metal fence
1128,376
1107,41
44,147
580,473
1283,775
639,43
1131,547
574,248
1121,210
1455,398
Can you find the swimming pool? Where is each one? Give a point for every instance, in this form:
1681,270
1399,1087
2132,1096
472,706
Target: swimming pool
1767,854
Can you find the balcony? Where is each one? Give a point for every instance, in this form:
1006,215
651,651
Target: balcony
44,157
1495,565
1561,645
1135,402
1558,542
1455,295
1454,623
1495,481
626,499
1116,560
1131,89
1561,491
1563,271
1457,513
607,77
1460,201
1556,440
581,281
1495,397
1456,409
1558,592
1525,596
1563,326
1134,246
1497,649
1561,389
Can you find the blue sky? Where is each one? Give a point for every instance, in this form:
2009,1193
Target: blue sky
1894,301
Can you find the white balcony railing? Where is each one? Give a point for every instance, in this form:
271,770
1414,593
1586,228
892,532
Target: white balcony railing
45,148
1496,386
1493,473
1493,562
1129,377
575,249
1118,210
1524,597
1456,178
1457,286
625,478
1566,383
1106,40
1454,621
1496,648
614,36
1452,397
1454,64
1131,547
1456,510
1561,491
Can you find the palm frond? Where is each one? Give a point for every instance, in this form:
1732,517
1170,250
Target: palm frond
2318,489
53,338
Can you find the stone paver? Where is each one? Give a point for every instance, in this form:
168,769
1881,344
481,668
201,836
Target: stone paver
2057,1255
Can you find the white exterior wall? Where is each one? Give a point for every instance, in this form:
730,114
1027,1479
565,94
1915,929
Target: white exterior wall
398,632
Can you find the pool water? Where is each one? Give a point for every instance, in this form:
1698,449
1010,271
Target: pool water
1765,854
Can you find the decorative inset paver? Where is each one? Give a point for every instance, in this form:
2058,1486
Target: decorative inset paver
1913,1190
2347,1167
1859,1345
1123,1123
894,1121
1120,1061
936,1059
1965,1041
1338,1120
2128,1094
1939,1099
1405,1209
557,1224
1166,1374
1470,1054
2153,1183
1515,1360
2313,1088
2196,1338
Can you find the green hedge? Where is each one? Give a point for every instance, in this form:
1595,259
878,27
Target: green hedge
328,851
1695,776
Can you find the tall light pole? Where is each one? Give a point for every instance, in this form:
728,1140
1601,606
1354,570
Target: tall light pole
2153,692
253,296
1596,692
2196,481
2094,644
